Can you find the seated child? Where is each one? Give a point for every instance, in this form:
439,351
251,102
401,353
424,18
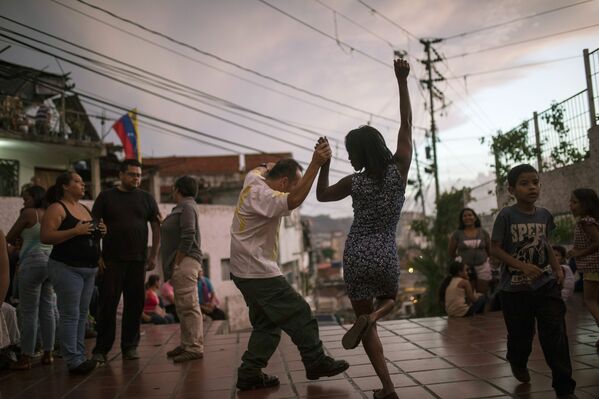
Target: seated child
153,312
457,295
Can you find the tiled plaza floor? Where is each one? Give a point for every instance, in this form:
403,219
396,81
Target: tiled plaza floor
428,358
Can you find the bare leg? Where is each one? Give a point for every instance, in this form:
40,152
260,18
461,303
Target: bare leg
372,343
591,298
382,308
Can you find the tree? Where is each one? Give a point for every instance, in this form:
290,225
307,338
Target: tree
565,153
511,148
437,230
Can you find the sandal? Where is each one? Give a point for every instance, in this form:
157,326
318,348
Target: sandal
392,395
354,335
186,356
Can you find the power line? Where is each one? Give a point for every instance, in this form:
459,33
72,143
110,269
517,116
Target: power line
161,96
337,40
521,42
231,63
386,41
134,75
531,64
375,11
195,60
497,25
351,20
112,104
467,98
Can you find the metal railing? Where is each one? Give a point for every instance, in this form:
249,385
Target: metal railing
593,76
559,134
571,127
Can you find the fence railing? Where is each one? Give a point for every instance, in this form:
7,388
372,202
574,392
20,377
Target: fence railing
593,76
564,121
558,136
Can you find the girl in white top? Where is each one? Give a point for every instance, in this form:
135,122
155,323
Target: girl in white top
457,295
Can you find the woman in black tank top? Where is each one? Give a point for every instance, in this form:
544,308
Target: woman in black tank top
73,263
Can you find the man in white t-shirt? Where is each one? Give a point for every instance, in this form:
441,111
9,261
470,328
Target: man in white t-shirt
269,193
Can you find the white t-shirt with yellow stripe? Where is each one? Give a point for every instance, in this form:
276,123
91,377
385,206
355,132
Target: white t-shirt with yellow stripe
255,229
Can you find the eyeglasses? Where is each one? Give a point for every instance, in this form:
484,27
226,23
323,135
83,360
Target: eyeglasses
133,174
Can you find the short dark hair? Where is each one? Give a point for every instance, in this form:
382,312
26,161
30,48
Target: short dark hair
187,186
516,171
560,249
476,223
129,162
588,201
152,280
287,167
38,193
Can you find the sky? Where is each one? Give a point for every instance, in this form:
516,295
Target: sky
255,65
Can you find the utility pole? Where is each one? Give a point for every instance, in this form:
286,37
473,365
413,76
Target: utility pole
419,177
433,93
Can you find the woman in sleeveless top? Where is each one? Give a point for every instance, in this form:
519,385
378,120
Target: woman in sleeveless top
457,295
35,289
370,261
473,245
67,225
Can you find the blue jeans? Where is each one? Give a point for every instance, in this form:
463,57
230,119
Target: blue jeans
36,301
74,287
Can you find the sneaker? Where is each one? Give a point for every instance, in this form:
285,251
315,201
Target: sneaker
567,396
84,368
327,367
130,354
100,358
520,373
186,356
354,335
260,382
177,351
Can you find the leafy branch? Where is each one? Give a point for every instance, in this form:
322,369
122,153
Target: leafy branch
565,153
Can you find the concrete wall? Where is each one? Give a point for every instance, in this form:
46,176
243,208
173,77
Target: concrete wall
556,185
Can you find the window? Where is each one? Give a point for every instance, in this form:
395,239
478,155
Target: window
225,269
9,178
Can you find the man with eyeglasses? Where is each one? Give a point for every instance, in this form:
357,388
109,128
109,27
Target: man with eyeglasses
126,210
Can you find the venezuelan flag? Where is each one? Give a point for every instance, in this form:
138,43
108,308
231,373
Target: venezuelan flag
126,129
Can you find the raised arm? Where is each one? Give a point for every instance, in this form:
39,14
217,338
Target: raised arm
404,137
321,155
336,192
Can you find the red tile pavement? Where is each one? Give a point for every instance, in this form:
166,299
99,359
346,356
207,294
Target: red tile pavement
427,358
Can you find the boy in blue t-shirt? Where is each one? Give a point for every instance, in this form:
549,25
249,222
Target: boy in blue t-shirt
530,282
